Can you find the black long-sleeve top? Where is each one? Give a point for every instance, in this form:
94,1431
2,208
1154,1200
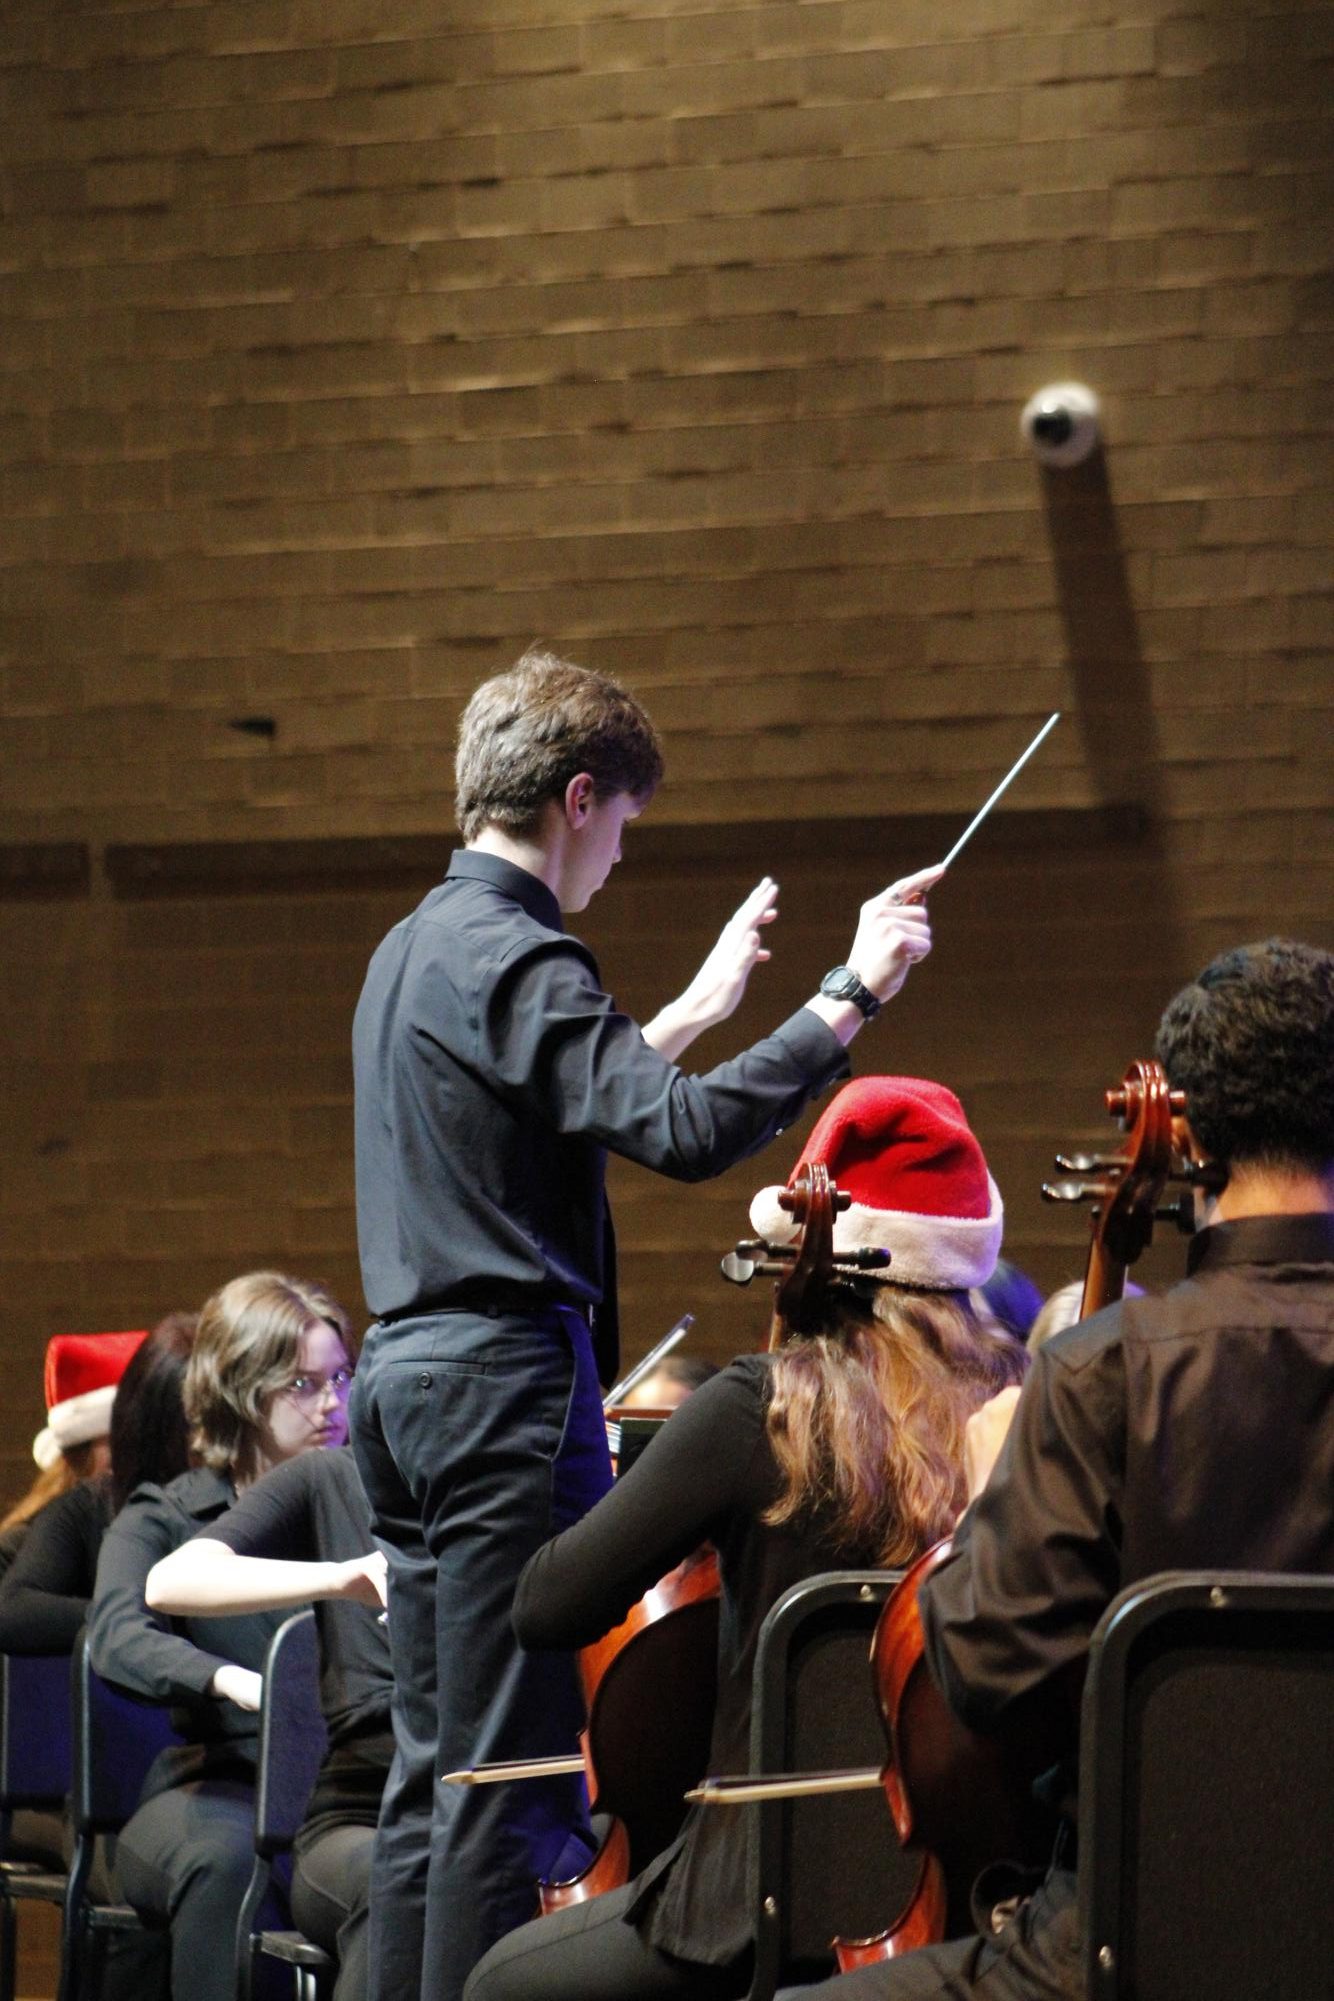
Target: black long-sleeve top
314,1509
172,1661
45,1593
708,1475
493,1074
1194,1430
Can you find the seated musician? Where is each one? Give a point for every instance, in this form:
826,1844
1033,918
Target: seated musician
842,1449
1234,1369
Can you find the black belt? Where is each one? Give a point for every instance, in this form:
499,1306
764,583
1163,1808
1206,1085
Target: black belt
491,1304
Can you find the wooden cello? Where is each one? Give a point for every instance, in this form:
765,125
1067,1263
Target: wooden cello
962,1797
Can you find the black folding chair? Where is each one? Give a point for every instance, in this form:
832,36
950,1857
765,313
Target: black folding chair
831,1866
35,1765
292,1743
116,1740
1206,1791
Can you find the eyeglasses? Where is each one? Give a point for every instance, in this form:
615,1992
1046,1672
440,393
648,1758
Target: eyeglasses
309,1389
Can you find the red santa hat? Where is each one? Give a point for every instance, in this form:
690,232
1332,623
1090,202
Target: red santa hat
903,1150
82,1371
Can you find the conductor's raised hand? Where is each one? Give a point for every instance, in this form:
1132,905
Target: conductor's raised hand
717,987
893,933
716,990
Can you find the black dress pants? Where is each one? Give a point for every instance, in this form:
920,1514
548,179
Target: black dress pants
184,1859
331,1893
477,1437
590,1953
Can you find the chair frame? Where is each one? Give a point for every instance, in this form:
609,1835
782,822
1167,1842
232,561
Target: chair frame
813,1597
101,1803
291,1667
1186,1599
36,1764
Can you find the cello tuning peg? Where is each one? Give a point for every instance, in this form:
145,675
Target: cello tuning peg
1181,1212
1071,1191
1087,1163
753,1258
871,1258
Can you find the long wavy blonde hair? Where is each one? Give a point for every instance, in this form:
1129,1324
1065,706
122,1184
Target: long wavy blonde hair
866,1418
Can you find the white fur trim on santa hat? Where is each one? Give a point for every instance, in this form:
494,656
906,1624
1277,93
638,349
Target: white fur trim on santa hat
74,1422
947,1253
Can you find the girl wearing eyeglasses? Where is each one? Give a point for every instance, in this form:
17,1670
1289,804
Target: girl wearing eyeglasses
267,1381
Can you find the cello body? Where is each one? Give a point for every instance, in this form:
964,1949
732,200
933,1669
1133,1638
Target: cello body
650,1686
963,1799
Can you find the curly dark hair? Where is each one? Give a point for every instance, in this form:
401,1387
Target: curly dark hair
1251,1043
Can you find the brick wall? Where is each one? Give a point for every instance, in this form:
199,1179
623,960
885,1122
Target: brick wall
346,348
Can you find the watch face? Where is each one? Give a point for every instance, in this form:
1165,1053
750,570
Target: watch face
843,984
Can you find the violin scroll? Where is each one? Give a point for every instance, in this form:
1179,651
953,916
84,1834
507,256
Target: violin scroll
1126,1187
807,1268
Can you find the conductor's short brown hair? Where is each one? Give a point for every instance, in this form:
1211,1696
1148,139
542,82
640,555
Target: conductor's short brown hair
526,733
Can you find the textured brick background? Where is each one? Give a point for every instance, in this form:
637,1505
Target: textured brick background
346,348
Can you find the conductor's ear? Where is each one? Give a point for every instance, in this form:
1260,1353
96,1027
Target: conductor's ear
579,796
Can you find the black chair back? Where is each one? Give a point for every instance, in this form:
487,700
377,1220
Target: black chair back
1206,1828
826,1866
35,1741
292,1744
292,1736
116,1740
35,1753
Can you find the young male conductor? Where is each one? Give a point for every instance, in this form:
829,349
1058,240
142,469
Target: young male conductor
493,1075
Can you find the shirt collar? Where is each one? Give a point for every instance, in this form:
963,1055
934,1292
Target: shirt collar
1264,1240
203,1491
530,894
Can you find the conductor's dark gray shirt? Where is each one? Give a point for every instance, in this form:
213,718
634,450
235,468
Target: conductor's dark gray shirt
493,1074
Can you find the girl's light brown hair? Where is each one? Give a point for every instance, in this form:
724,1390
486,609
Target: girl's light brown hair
245,1351
866,1419
47,1485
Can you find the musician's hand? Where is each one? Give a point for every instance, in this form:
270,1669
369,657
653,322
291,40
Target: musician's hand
893,933
984,1434
237,1684
362,1580
717,987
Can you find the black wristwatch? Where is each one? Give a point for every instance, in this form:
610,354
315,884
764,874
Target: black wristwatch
841,983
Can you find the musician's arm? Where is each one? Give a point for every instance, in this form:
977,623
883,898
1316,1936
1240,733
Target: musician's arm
582,1584
1037,1556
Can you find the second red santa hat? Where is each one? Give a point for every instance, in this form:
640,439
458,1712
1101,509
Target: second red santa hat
902,1148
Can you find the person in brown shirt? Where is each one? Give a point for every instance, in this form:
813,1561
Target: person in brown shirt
1189,1431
